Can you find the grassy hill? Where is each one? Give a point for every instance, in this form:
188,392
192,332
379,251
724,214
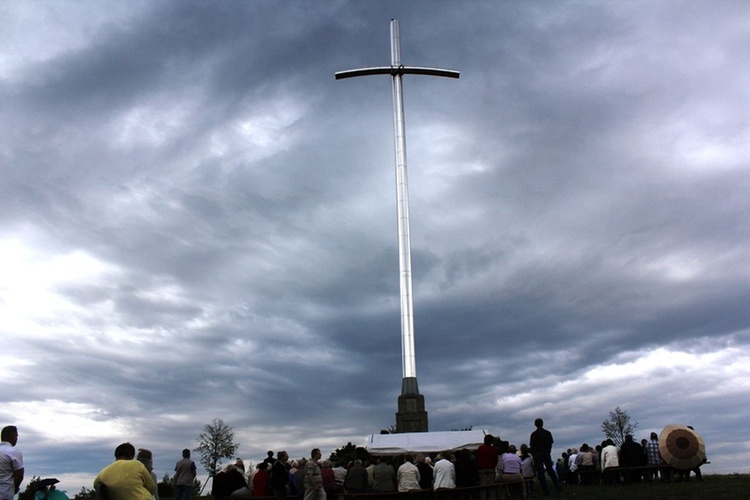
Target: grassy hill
713,487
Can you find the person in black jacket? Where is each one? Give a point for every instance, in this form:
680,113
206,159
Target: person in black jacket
280,476
631,455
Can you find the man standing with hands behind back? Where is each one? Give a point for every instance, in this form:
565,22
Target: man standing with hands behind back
11,464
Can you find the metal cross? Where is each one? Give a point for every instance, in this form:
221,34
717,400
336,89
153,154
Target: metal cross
396,70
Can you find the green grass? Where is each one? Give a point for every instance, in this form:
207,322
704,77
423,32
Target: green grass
713,487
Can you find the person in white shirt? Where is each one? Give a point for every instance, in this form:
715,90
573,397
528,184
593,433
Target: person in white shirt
445,472
527,469
407,475
11,464
610,458
573,467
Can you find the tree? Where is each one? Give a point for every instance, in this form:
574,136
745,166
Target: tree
31,487
85,494
346,454
618,425
165,488
214,443
197,488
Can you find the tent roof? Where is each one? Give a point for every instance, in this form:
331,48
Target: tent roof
423,442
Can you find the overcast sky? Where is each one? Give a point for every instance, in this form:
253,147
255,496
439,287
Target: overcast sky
198,221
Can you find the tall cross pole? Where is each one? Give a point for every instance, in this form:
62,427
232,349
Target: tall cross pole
397,70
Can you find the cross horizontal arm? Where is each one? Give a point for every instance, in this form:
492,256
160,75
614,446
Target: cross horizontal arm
351,73
414,70
397,70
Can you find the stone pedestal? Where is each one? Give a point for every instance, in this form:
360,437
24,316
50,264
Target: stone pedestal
411,415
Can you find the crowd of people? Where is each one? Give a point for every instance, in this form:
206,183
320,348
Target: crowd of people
633,462
131,476
492,467
492,470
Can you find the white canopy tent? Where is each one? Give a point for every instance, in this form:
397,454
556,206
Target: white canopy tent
423,442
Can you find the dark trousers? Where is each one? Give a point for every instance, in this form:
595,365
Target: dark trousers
543,461
182,492
279,493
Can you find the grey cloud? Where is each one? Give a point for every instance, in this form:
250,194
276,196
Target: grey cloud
577,209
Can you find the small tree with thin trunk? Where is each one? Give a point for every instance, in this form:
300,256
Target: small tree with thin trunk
214,443
618,425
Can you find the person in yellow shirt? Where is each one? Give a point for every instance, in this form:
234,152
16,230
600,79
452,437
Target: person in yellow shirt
125,478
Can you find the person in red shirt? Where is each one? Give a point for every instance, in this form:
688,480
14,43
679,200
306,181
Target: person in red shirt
486,463
260,481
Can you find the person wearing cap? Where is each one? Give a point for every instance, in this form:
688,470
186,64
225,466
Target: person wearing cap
11,464
125,478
